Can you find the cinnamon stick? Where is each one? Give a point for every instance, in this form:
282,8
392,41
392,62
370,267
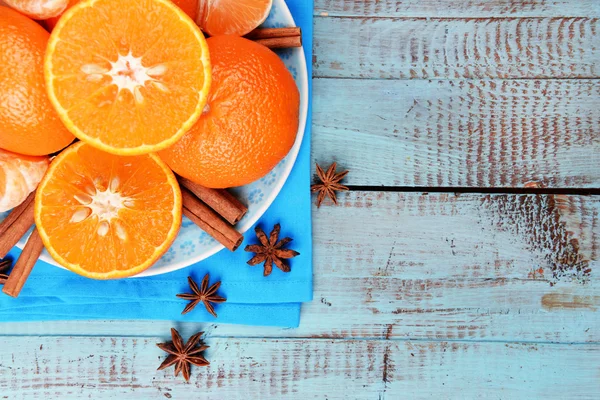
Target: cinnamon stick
209,221
277,38
281,43
31,252
16,225
268,33
220,200
15,213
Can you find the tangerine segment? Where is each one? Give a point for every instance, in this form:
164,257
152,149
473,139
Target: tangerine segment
105,216
39,9
232,17
19,176
127,77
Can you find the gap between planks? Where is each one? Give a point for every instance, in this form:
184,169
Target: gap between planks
445,18
189,328
462,78
477,190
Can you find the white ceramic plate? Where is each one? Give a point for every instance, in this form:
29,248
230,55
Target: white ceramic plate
193,244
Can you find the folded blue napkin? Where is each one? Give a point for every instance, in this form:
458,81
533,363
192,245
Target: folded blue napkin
55,294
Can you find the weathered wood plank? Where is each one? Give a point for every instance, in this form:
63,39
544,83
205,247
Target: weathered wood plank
465,133
464,8
438,266
386,48
124,368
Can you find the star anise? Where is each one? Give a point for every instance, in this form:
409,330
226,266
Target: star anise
329,184
270,250
183,355
4,267
204,294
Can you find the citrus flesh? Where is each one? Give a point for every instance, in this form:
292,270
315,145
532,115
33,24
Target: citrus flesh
105,216
190,7
127,77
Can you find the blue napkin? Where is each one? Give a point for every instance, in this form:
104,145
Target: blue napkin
55,294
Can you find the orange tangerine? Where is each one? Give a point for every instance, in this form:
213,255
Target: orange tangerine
50,23
19,176
28,123
190,7
38,9
106,216
232,17
128,77
250,120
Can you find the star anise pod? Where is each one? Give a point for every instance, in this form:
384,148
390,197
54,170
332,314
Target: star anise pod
4,267
329,184
183,355
204,294
270,250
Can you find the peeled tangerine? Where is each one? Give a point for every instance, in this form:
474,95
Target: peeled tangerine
232,17
39,9
19,176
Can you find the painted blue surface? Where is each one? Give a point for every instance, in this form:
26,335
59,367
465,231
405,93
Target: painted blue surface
420,295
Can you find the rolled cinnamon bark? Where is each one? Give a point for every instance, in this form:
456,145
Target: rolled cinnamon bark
220,200
277,38
268,33
16,224
281,43
209,221
15,213
20,272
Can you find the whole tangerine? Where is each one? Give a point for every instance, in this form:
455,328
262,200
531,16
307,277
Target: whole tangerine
28,123
249,123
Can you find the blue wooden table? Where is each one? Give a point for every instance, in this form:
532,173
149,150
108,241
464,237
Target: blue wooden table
463,262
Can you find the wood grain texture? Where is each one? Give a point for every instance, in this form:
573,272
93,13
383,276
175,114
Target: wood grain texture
453,48
125,368
464,8
463,133
416,295
435,267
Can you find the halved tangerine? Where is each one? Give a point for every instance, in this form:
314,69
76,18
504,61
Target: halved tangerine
190,7
128,77
106,216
